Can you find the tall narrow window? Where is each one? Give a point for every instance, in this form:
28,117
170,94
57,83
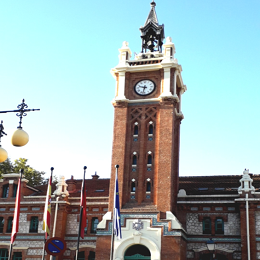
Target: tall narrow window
94,223
9,225
150,129
134,160
91,255
14,190
206,223
81,255
86,228
149,160
2,221
17,256
136,130
4,254
5,191
148,186
133,187
34,225
219,226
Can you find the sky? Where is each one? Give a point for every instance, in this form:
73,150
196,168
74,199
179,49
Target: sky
57,55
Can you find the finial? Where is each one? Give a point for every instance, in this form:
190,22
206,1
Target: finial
153,4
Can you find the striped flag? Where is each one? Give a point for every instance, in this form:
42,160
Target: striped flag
84,208
116,216
47,209
16,211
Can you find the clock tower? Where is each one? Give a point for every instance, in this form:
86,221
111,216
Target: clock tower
147,121
146,139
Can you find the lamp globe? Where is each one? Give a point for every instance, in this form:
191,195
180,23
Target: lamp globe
19,138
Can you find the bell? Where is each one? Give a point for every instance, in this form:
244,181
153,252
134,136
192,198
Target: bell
3,155
19,138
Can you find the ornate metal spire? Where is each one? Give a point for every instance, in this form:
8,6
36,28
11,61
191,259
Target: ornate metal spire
152,15
152,33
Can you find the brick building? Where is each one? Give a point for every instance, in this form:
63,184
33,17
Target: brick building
163,216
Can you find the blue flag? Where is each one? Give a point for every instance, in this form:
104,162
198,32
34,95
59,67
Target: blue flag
116,217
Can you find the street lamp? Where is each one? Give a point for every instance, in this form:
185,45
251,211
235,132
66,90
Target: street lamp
20,137
211,246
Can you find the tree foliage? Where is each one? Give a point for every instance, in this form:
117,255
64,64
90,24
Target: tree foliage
33,176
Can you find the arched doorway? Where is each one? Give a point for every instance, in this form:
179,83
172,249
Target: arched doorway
210,257
137,252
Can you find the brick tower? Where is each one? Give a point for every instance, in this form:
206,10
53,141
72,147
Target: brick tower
147,121
147,117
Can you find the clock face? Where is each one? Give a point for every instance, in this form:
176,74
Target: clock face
144,87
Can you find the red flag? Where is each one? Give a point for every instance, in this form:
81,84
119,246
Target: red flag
84,208
47,210
16,211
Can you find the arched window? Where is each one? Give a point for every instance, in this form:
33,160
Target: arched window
136,130
34,225
149,159
206,223
133,187
4,254
9,225
137,252
134,160
5,191
150,129
219,226
94,223
14,190
148,186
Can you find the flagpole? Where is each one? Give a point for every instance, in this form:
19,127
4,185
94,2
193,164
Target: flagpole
16,216
81,213
113,233
45,233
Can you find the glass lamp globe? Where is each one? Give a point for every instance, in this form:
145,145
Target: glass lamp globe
19,138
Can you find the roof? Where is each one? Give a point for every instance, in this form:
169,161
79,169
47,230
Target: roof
216,184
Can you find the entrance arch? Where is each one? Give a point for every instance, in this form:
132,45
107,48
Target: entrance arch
137,252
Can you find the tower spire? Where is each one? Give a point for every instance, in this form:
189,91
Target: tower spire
152,15
152,33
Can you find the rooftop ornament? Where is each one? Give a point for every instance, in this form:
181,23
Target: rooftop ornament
152,33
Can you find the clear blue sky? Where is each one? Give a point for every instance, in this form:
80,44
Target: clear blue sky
58,55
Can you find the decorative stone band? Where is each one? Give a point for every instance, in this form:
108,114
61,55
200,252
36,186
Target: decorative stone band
205,239
156,223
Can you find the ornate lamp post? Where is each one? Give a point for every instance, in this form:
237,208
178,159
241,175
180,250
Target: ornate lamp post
211,246
20,137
